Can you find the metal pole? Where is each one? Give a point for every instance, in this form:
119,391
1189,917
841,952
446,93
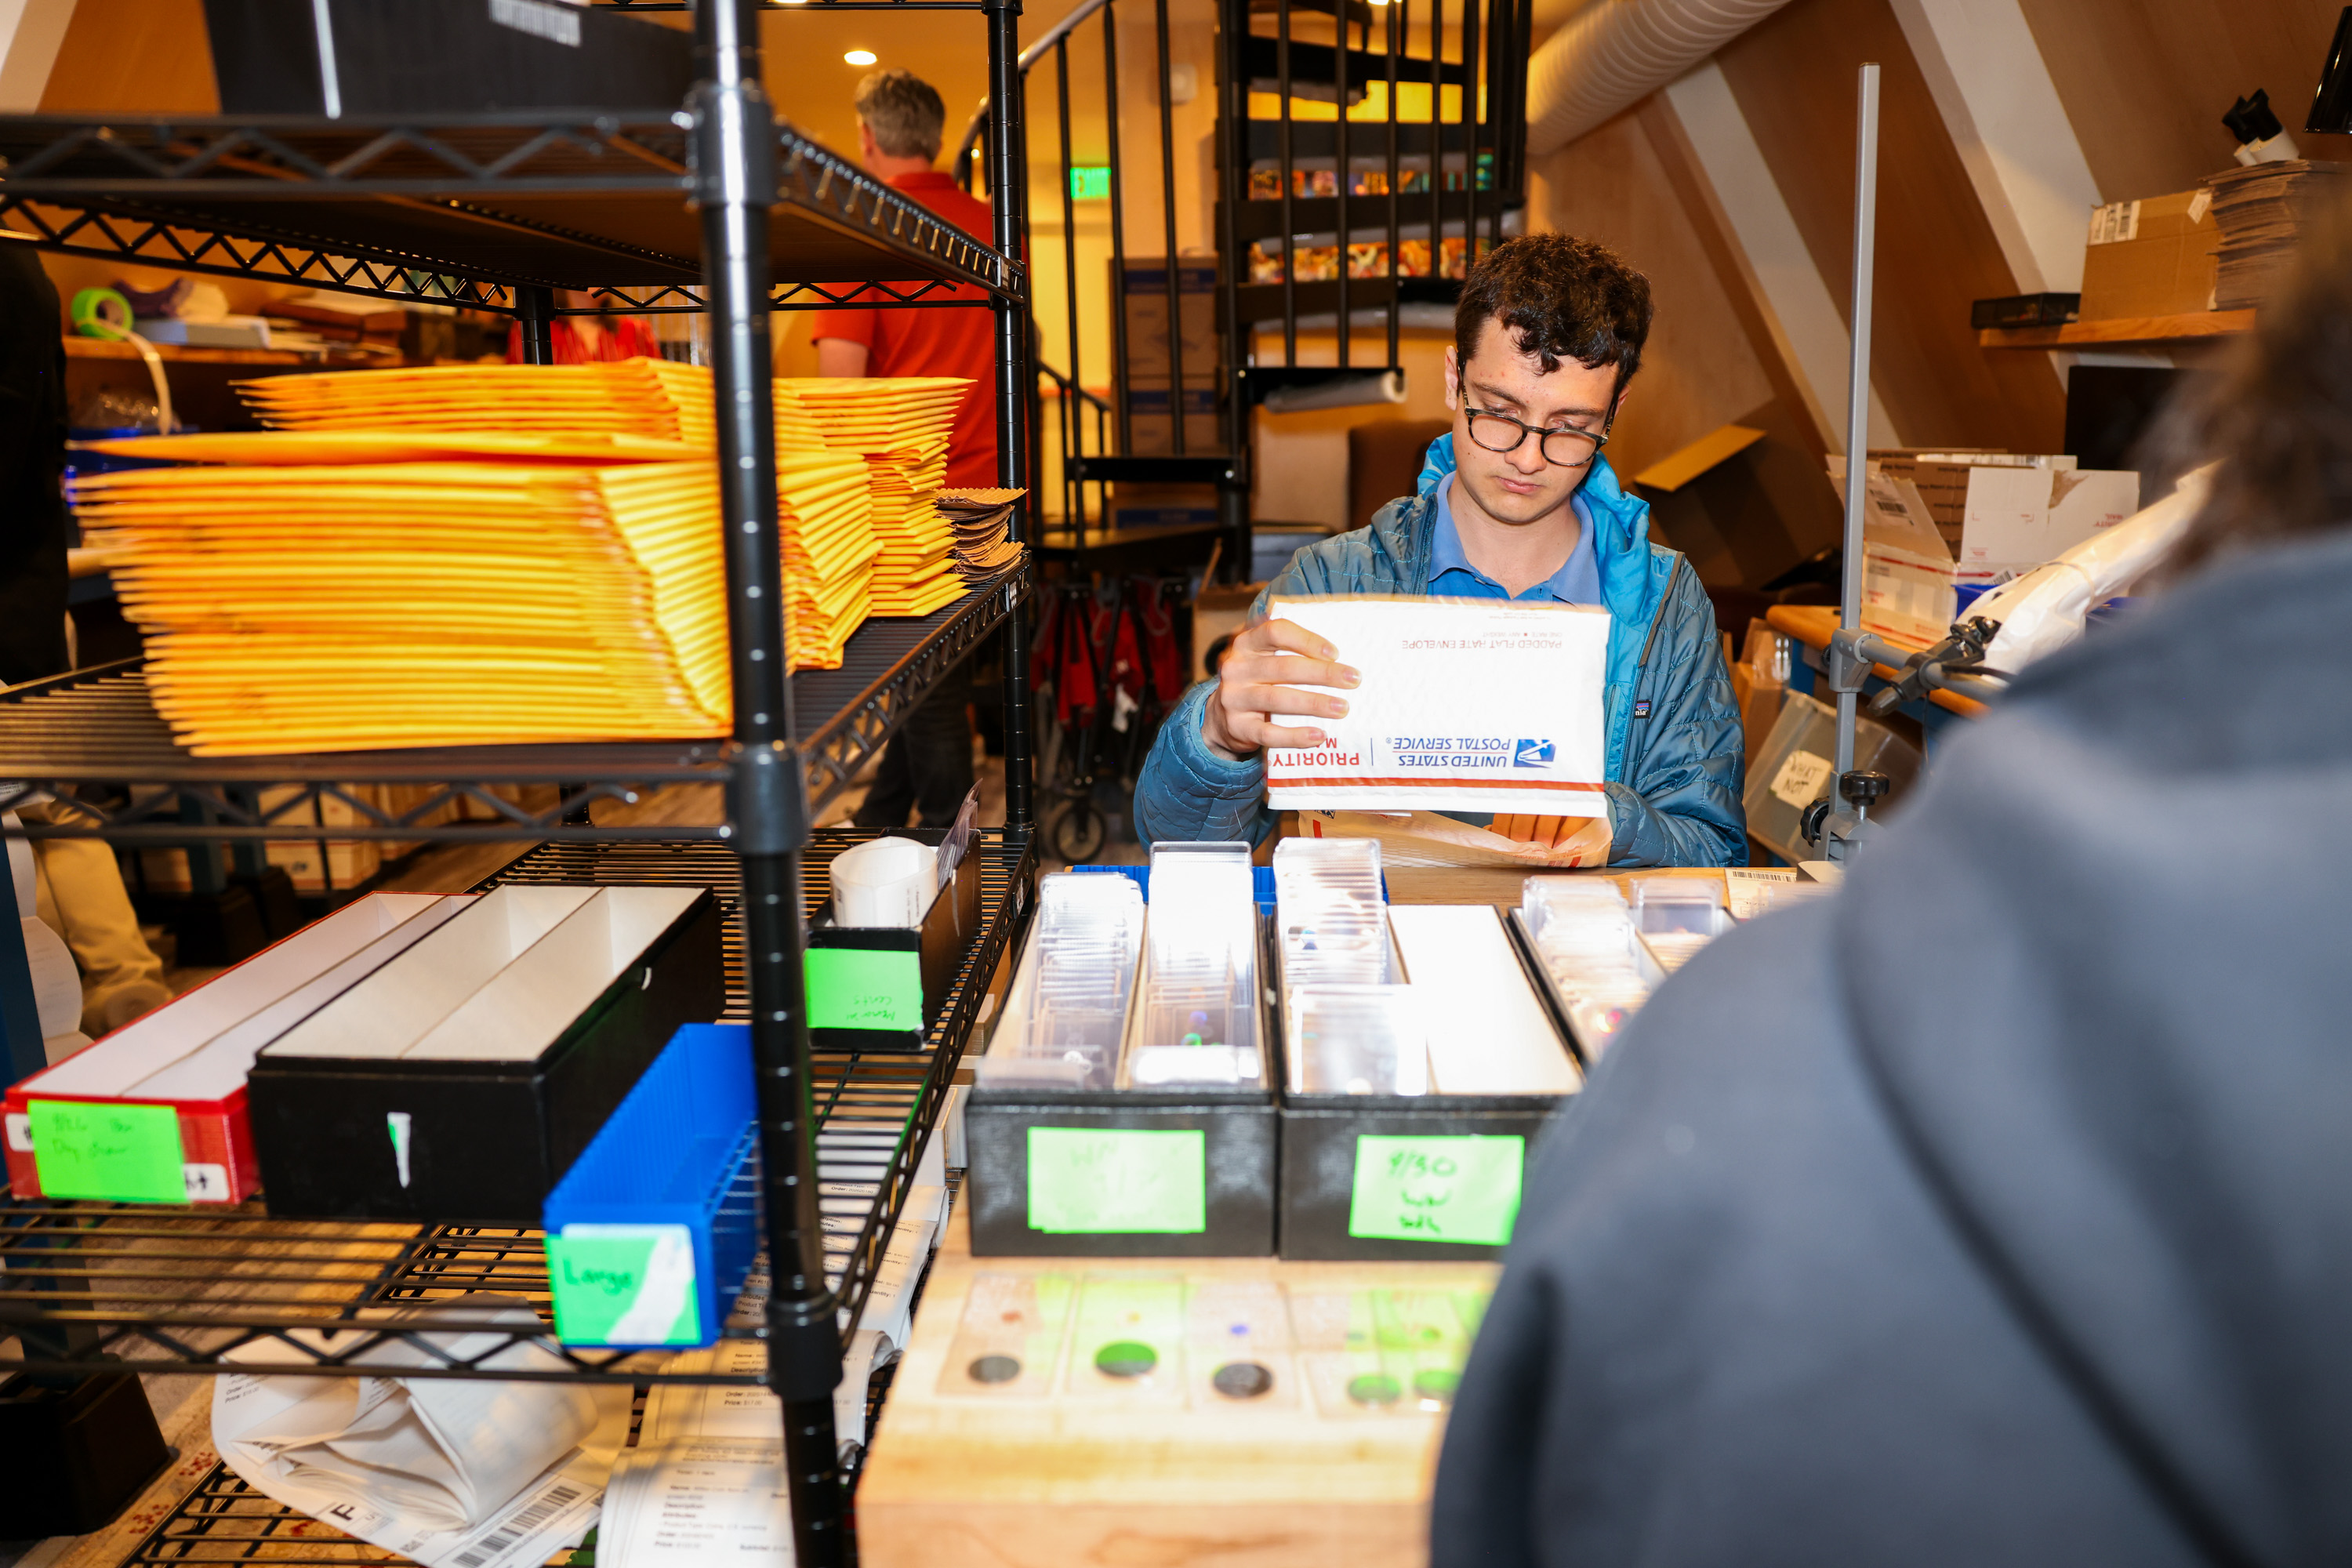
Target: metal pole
535,313
1117,242
1008,141
1237,150
735,184
1167,214
1857,396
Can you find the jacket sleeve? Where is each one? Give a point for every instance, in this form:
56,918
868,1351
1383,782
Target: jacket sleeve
1188,792
1682,806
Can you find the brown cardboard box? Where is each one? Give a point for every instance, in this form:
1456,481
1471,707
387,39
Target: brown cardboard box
1147,318
2151,258
1152,432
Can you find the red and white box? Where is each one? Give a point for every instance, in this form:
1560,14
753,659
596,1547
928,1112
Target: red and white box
193,1054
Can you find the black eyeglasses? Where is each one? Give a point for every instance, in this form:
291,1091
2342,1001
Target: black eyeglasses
1563,449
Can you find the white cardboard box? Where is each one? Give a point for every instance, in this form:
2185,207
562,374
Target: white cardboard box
2017,516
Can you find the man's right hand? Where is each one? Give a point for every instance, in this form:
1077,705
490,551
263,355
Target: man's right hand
1253,686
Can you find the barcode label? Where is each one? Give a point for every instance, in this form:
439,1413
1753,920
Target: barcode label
554,1500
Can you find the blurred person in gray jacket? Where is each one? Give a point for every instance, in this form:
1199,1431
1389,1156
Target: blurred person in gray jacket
1999,1208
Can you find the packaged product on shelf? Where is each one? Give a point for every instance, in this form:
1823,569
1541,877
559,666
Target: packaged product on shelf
461,1079
452,1473
1124,1107
156,1111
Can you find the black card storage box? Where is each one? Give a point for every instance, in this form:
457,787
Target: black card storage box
460,1080
425,56
862,998
1434,1175
1079,1154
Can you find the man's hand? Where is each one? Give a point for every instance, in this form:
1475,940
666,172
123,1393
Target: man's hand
1251,689
1545,831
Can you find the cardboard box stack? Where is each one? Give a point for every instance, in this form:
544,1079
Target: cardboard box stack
2261,211
1150,398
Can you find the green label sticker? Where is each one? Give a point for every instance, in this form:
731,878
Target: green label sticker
857,988
1463,1189
120,1153
1087,1181
624,1285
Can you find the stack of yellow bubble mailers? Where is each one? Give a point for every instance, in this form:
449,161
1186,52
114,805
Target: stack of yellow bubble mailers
642,397
899,426
317,607
825,509
642,407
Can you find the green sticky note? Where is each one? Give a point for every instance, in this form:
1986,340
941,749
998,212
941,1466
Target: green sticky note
1100,1181
624,1285
858,988
120,1153
1458,1188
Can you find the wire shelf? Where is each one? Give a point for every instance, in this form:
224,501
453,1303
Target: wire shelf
98,727
119,1287
584,199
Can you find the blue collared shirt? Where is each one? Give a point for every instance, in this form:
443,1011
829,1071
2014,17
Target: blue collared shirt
1451,575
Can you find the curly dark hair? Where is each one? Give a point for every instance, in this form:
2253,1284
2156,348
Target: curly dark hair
2279,416
1560,298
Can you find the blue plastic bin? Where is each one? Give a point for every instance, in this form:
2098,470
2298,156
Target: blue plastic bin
673,1176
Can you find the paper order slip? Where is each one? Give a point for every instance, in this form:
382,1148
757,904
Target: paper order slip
1490,705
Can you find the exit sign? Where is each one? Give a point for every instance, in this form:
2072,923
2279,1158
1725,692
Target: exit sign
1090,183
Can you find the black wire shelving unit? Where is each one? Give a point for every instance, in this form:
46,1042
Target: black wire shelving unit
716,207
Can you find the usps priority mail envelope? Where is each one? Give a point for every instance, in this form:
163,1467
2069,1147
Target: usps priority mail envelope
1490,705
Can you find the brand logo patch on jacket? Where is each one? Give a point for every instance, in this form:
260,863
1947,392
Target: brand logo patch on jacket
1642,709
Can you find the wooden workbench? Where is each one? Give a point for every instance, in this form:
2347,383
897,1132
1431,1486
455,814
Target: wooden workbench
1059,1463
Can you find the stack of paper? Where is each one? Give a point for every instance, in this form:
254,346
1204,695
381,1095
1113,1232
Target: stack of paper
2263,212
899,425
980,520
350,607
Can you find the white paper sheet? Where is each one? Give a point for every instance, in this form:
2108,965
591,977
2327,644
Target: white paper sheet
1743,888
453,1473
1473,705
691,1503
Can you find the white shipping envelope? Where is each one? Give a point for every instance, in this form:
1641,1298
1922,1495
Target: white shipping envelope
452,1473
1477,705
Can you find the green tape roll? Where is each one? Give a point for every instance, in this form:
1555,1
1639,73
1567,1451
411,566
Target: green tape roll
89,321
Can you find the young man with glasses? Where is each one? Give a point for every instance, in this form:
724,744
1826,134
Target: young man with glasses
1517,503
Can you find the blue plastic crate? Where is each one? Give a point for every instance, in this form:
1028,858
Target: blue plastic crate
651,1233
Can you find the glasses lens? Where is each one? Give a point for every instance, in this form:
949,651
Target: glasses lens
1568,447
1496,433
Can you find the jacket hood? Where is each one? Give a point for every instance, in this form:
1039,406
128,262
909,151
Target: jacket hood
2136,1102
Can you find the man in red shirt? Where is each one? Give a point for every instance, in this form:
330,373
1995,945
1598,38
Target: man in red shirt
900,123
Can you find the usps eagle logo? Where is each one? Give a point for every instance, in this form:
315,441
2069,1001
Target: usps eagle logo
1531,754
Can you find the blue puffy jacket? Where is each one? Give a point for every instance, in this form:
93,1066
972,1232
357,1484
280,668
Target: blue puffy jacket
1675,746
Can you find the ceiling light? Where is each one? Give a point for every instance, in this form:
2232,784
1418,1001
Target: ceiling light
859,57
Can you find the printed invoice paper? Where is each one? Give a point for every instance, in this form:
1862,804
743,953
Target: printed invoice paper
1487,705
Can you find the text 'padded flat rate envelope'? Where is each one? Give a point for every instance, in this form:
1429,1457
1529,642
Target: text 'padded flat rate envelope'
1466,705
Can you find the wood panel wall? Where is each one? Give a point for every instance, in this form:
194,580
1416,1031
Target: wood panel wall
2145,82
1699,370
148,55
1794,76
